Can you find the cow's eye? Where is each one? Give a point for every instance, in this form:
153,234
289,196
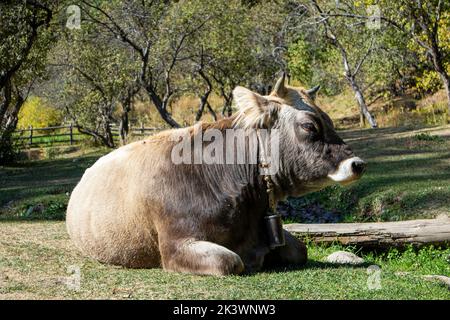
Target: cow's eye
309,127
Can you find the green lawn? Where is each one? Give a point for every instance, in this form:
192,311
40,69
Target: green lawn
408,177
40,189
35,257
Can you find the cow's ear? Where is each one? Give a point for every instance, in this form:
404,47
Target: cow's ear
255,111
279,89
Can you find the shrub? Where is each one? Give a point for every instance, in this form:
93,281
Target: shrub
428,82
38,113
47,210
424,136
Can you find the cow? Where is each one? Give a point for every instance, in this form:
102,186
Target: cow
136,208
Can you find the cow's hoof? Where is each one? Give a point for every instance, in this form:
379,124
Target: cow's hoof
295,252
302,254
232,265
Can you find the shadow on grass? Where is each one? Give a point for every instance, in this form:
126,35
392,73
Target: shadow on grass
369,133
311,264
8,218
39,190
414,180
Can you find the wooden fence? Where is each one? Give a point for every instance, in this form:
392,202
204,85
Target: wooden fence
68,134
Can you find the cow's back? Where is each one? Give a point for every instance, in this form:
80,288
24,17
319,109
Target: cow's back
108,217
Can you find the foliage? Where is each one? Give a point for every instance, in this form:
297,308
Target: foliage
428,81
25,33
428,137
425,24
404,52
51,210
315,64
154,53
38,113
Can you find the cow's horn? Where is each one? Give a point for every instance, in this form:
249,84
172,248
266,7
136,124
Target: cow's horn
279,88
312,92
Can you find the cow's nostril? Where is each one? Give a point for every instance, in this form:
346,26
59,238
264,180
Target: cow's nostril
358,167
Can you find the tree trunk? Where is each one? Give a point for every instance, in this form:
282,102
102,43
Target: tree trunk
211,111
7,126
364,111
437,60
161,108
105,139
6,100
446,81
124,126
204,103
378,234
204,98
201,108
108,138
227,111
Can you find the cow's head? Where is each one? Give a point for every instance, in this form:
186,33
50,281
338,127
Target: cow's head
312,155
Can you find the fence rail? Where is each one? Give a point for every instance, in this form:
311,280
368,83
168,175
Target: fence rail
68,134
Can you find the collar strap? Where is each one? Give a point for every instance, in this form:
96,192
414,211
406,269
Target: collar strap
272,219
264,165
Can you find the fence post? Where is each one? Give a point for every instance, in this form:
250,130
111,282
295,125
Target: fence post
31,135
71,133
142,128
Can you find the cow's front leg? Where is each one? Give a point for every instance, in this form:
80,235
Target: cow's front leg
293,253
199,257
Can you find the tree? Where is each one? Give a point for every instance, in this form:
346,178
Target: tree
340,36
426,23
38,113
97,78
223,56
200,69
25,42
242,45
159,32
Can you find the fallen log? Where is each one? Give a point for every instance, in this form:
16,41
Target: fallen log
378,234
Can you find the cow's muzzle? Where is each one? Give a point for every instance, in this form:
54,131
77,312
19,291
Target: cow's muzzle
349,170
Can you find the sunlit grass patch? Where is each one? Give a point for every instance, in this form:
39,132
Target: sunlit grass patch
38,259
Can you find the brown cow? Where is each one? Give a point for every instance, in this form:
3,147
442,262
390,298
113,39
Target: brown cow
135,207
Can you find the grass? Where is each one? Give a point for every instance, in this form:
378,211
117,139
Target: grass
36,257
41,189
408,177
